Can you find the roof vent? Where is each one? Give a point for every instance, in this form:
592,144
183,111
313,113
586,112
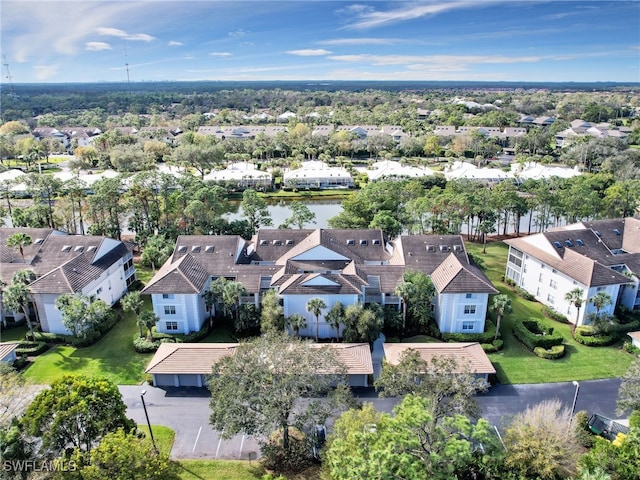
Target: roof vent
568,243
616,231
363,242
457,248
195,248
444,248
182,249
351,242
579,242
209,248
91,248
557,244
264,242
78,248
277,242
375,241
66,248
597,232
431,248
38,241
289,242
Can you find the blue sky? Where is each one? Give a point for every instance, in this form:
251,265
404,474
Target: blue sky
471,40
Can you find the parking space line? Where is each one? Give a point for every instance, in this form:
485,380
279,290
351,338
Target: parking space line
196,442
219,444
241,445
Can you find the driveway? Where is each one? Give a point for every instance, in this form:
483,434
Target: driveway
186,411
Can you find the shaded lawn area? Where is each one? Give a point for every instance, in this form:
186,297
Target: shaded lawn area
217,469
13,334
516,364
112,357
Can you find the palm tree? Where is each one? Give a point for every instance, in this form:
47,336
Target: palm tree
600,300
501,306
576,297
149,320
296,322
132,302
231,295
19,240
404,290
17,295
209,297
335,317
316,306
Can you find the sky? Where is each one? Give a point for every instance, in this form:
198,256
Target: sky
309,40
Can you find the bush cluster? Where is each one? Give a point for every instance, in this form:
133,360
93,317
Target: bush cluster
591,340
31,348
494,346
51,337
535,333
485,337
553,315
142,345
553,353
524,294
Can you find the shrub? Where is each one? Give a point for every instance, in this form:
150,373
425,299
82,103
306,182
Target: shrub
595,340
31,348
486,337
493,347
536,333
142,345
629,347
524,294
553,315
51,337
581,428
553,353
498,343
295,460
631,326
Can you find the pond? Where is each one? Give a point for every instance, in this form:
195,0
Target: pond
279,211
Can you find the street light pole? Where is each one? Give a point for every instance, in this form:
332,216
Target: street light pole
144,406
575,399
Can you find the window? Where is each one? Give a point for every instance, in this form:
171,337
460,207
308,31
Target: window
169,309
553,284
540,278
538,292
551,299
469,309
172,325
467,326
515,257
166,296
99,291
470,295
600,289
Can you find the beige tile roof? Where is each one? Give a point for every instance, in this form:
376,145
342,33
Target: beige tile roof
199,358
194,358
356,357
6,349
469,353
635,336
451,276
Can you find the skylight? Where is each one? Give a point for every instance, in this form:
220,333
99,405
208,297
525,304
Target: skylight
209,248
616,231
568,243
557,244
579,242
182,249
376,241
66,248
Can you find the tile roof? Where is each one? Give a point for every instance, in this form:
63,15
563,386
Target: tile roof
176,358
469,353
199,358
451,276
6,349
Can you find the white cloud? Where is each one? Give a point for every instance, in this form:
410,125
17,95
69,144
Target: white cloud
44,72
238,33
97,46
363,41
309,52
173,43
368,18
116,32
437,59
221,54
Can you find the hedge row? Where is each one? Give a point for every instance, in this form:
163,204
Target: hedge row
485,337
536,333
553,353
524,294
494,346
553,315
31,348
595,340
142,345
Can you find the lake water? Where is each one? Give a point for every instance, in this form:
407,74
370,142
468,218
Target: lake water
279,212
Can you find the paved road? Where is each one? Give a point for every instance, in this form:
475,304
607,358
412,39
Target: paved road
187,412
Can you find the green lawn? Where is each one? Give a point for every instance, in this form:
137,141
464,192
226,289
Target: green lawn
13,334
516,364
163,436
218,469
113,357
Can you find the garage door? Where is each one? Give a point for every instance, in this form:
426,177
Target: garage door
189,380
164,380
